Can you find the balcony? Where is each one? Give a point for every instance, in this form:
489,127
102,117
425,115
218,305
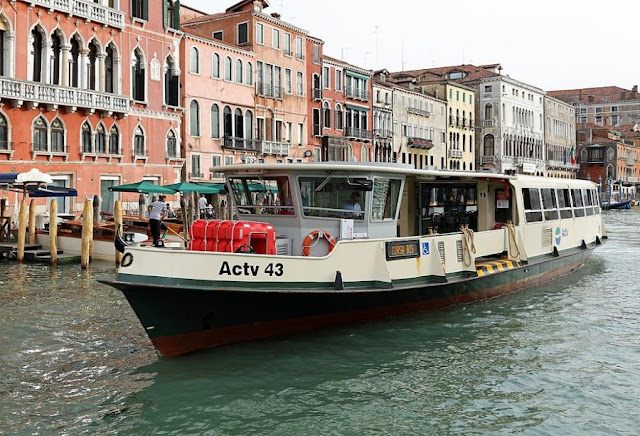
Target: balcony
54,95
455,154
277,148
356,93
317,94
382,133
417,111
487,123
487,159
268,90
562,165
354,132
86,9
241,144
419,143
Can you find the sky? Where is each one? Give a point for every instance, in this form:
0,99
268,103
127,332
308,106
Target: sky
550,44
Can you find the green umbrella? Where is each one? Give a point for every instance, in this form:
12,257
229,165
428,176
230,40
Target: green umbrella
144,187
192,187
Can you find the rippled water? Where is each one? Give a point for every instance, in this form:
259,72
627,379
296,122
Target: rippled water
559,359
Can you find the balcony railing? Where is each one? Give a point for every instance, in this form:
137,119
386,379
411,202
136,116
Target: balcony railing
487,123
455,154
356,93
85,9
382,133
487,159
242,144
269,90
418,111
317,94
354,132
562,164
42,93
273,147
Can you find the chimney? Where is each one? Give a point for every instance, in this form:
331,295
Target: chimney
635,88
276,15
590,98
581,94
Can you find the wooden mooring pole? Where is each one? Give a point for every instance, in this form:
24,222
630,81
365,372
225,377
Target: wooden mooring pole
87,233
32,221
3,209
22,229
53,231
117,216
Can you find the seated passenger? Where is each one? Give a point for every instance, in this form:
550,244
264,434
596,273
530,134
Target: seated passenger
353,206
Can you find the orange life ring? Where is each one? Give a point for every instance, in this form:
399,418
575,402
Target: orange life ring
317,234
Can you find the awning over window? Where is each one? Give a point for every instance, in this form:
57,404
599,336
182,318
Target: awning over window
356,108
356,75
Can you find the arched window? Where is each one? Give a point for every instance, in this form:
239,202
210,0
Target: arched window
138,75
36,55
326,110
227,122
194,118
249,74
239,71
6,46
101,139
238,121
172,144
74,73
364,154
227,68
56,45
4,133
109,70
248,125
215,66
86,138
138,142
171,85
40,136
57,136
114,140
488,112
93,67
215,121
339,117
195,61
488,145
172,14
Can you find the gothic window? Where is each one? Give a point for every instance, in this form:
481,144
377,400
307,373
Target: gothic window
55,58
138,75
101,139
57,136
4,133
74,64
172,149
36,55
215,121
339,118
93,59
138,142
86,138
109,76
327,114
171,84
114,140
194,118
40,141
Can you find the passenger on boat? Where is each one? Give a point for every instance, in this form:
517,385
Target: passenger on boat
352,205
158,212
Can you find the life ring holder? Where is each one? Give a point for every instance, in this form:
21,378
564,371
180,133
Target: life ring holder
312,238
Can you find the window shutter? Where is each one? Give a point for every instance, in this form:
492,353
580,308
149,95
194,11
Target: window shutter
175,86
145,9
165,14
176,15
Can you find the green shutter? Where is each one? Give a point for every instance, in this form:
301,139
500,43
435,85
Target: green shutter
165,14
145,10
176,15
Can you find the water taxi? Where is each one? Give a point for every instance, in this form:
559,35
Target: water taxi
320,244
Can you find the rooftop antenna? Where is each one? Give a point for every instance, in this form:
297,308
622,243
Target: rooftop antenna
377,28
366,53
402,54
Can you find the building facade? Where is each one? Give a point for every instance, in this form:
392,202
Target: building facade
383,118
560,139
83,94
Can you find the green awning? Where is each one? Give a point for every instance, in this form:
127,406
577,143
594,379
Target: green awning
356,75
356,108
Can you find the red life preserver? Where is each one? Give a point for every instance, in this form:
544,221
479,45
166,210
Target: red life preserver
317,234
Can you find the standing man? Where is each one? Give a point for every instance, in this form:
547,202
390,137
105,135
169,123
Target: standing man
202,205
352,206
158,212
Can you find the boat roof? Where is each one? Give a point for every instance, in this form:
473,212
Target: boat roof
378,167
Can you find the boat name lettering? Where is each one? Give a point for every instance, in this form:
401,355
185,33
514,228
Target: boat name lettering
402,249
250,270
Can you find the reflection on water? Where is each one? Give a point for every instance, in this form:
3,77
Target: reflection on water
560,359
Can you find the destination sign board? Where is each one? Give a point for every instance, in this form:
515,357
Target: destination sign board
402,249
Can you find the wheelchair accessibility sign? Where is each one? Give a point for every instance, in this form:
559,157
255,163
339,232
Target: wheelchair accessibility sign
425,248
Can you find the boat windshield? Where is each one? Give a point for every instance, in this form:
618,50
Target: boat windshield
333,197
262,195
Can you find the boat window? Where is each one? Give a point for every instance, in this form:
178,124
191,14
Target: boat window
564,203
595,201
262,195
503,205
333,197
578,204
446,207
550,204
386,195
532,205
588,202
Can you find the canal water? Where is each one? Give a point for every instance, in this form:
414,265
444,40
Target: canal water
559,359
